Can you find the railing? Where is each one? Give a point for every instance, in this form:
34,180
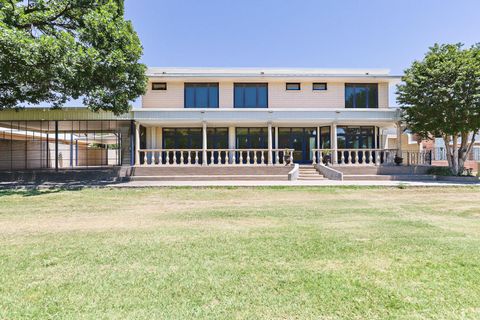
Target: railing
417,157
219,157
354,156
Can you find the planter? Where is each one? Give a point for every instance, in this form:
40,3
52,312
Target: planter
398,160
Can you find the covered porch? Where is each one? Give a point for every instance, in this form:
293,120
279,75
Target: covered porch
274,142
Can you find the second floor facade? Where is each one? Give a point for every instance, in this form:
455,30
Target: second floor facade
248,88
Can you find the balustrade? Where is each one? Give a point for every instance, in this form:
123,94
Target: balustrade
211,157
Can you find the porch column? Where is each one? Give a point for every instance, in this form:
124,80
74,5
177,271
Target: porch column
270,143
137,143
375,140
204,143
333,134
231,143
153,133
399,139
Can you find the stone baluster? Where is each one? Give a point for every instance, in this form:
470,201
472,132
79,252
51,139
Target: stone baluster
314,157
174,158
181,157
145,158
212,158
255,157
241,157
291,158
233,157
320,157
277,157
370,157
262,158
160,157
342,157
196,157
189,157
167,157
248,156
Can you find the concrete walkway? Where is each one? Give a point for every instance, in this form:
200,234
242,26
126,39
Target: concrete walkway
300,183
238,183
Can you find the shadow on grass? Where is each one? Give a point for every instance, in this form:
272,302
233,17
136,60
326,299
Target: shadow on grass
30,192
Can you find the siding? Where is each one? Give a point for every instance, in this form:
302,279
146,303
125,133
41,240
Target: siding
278,97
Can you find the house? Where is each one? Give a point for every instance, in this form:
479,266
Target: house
218,117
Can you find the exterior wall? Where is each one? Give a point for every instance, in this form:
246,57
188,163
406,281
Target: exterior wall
278,97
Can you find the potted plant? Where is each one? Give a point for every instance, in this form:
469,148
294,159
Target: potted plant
286,156
398,160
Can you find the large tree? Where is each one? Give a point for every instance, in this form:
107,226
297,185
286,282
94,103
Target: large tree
52,51
440,97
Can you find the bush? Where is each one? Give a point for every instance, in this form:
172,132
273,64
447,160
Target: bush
440,171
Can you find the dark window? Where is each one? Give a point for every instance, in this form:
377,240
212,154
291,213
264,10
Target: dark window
293,86
361,95
319,86
251,95
252,138
201,95
159,86
355,137
182,138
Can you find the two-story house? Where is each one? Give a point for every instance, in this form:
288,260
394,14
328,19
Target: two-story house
217,117
194,113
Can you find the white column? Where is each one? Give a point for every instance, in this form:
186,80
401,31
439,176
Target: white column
270,143
137,143
399,139
231,144
153,133
204,143
159,138
276,137
231,137
333,142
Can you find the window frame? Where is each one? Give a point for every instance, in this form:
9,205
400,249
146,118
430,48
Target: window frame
200,84
319,83
245,84
162,84
293,83
367,85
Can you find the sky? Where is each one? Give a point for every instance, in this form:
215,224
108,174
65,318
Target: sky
299,33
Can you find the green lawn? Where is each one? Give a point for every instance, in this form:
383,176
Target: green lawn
242,253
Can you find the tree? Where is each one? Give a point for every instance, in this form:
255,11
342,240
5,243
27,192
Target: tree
440,97
55,50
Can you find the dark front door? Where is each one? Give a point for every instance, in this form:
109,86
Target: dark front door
302,140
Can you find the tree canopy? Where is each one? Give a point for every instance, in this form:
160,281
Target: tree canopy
55,50
440,97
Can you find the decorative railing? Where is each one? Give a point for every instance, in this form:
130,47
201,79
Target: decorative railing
354,156
417,157
220,157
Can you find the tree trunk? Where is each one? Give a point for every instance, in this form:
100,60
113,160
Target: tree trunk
448,150
455,167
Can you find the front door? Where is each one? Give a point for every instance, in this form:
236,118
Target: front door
302,140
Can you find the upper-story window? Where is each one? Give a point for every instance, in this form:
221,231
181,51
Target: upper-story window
159,86
319,86
201,95
293,86
250,95
358,95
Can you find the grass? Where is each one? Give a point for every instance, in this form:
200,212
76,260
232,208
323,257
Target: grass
243,253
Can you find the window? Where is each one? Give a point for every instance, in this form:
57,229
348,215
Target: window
159,86
293,86
201,95
361,95
319,86
250,95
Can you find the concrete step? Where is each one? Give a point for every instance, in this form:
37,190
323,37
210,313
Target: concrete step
209,177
